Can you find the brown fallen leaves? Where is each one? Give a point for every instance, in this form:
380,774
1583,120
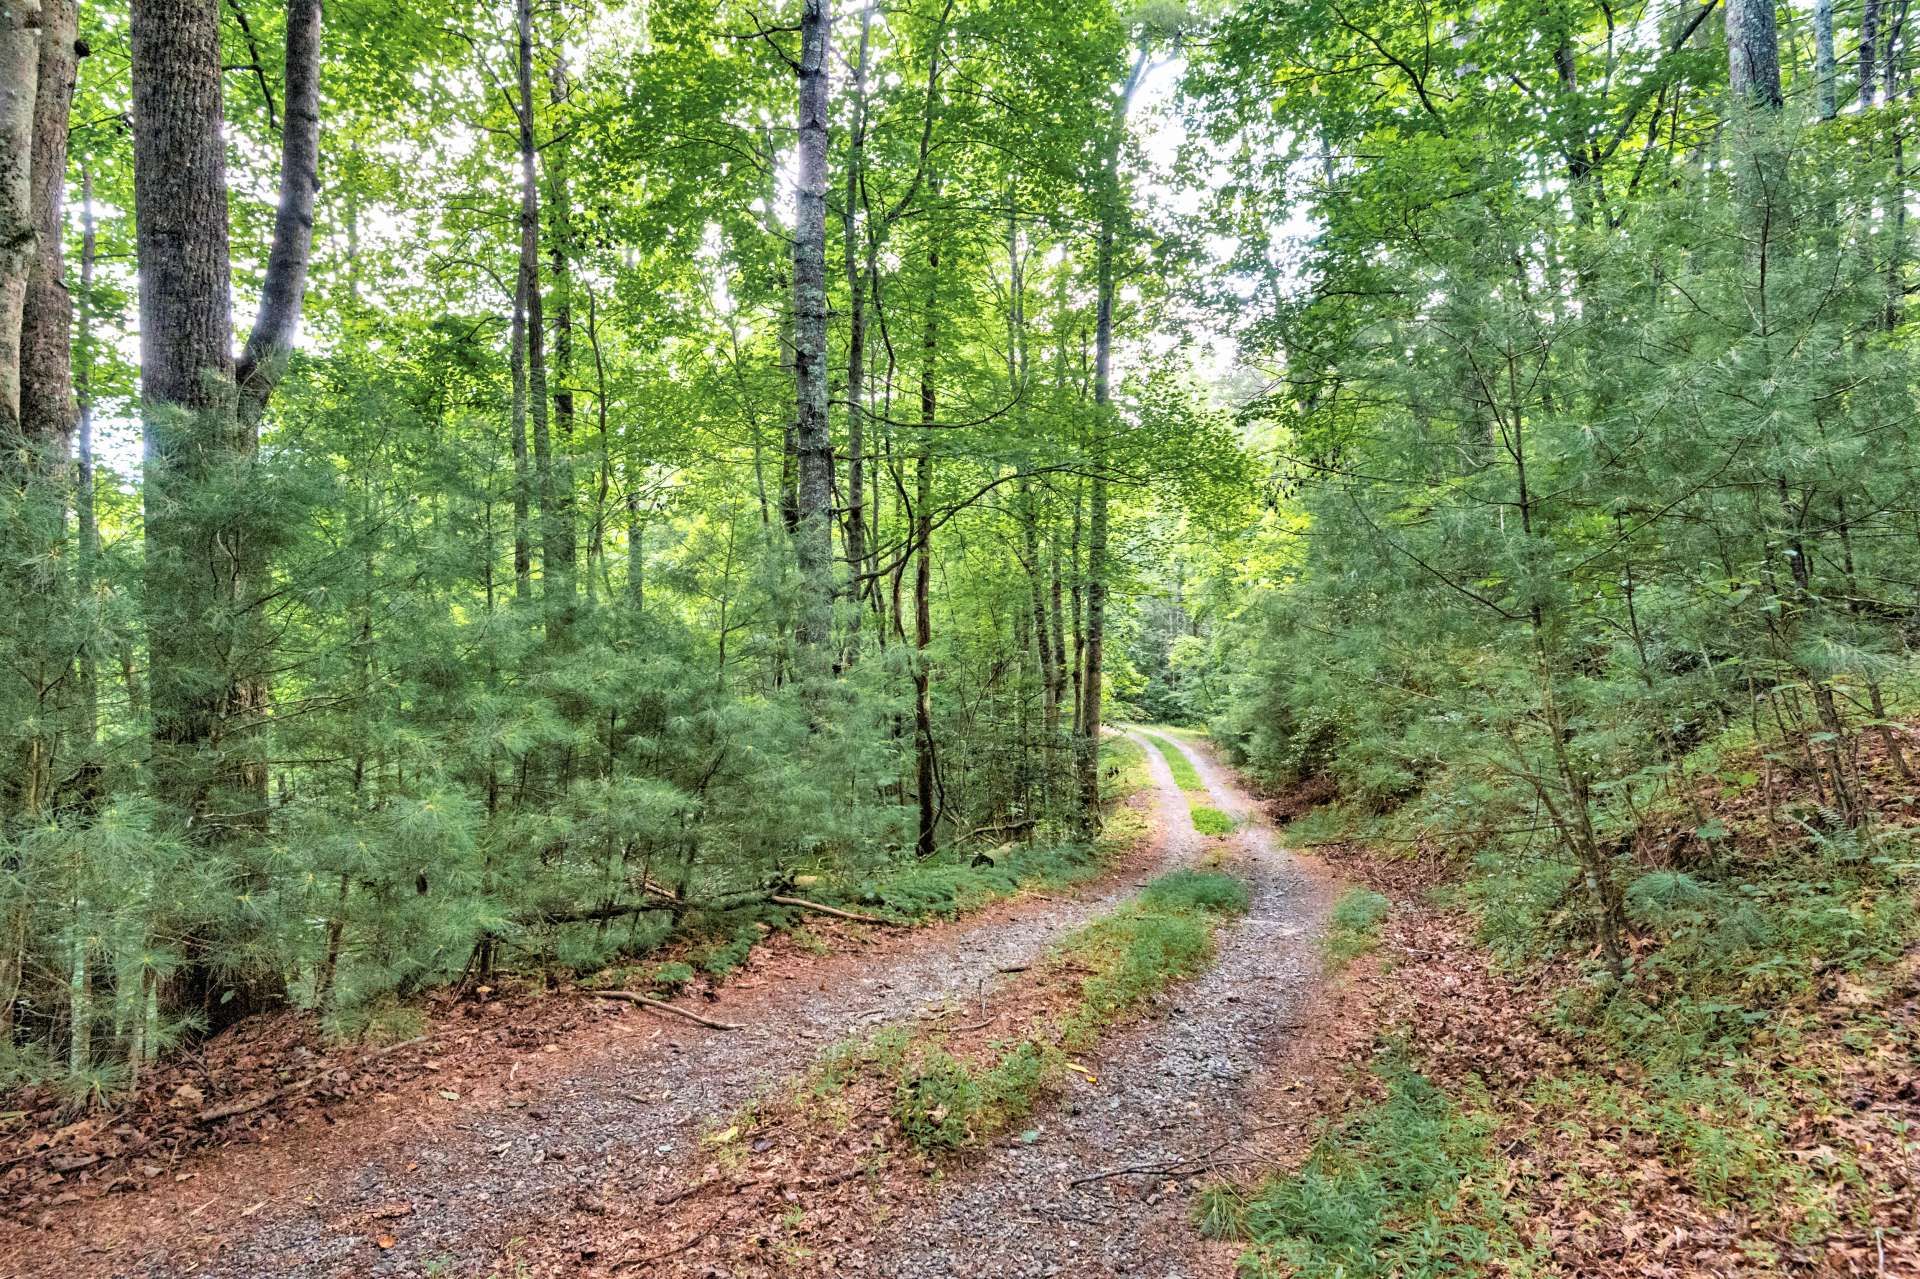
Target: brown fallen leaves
1601,1189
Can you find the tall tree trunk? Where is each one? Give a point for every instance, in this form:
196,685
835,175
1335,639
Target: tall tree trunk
205,573
813,441
535,348
83,500
194,616
269,347
1097,497
517,429
33,456
1824,77
1753,55
559,552
283,292
856,535
926,765
1868,52
46,380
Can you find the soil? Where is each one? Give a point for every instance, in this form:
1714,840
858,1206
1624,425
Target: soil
539,1149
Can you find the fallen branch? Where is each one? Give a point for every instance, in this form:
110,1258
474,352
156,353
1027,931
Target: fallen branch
652,1258
661,1005
801,903
1190,1166
259,1101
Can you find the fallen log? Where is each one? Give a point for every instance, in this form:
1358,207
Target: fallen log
661,1005
801,903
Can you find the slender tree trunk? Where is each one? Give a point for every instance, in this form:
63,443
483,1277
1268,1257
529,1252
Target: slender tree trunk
856,535
517,419
1824,77
83,497
637,553
560,552
283,292
813,441
1868,52
925,763
534,346
1097,497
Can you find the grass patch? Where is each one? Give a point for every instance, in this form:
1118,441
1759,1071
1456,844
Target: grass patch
1185,776
1211,822
1353,929
1407,1187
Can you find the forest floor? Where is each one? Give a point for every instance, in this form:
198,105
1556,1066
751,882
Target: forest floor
608,1143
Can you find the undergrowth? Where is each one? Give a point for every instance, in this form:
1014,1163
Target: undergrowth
960,879
1738,1064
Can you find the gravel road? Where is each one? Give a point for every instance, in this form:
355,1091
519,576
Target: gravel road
1175,1088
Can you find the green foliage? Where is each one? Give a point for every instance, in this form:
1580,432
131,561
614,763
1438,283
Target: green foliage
1353,928
671,979
1124,764
1405,1187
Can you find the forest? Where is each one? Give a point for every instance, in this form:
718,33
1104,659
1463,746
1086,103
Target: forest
1372,547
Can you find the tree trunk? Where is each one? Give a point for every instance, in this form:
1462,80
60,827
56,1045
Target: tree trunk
856,534
46,379
559,551
1824,78
1097,516
813,442
33,456
1753,55
187,386
925,765
204,572
19,79
283,292
83,500
1868,51
534,325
